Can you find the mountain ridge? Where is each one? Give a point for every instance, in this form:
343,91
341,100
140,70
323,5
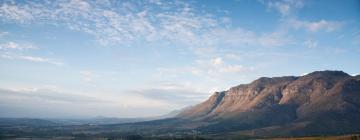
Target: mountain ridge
326,98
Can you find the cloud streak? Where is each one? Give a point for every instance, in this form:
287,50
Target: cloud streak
15,46
14,51
46,94
177,96
37,59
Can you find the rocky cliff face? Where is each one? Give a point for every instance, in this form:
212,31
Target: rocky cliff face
319,101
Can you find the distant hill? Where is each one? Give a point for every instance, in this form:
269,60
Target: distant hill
322,102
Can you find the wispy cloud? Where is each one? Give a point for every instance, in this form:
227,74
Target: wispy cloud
284,7
123,23
215,69
172,93
217,66
15,46
321,25
13,12
46,94
12,56
114,21
15,51
288,10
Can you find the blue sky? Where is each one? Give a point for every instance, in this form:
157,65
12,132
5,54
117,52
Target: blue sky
74,58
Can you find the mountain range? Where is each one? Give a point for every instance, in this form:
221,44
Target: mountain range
321,102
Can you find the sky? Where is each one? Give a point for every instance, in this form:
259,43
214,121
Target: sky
141,58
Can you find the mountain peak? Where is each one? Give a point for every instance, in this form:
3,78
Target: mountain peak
268,80
328,73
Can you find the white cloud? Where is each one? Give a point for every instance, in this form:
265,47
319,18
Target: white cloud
216,61
124,23
210,72
113,22
205,74
315,26
288,8
322,24
11,56
284,7
235,69
34,58
13,12
14,51
216,67
15,46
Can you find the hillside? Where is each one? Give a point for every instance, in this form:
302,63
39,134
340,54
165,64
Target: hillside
322,102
